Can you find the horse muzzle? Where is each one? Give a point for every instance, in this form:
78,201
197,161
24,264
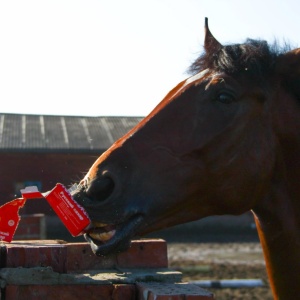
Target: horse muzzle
109,232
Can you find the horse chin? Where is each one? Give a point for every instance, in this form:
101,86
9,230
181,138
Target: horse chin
113,239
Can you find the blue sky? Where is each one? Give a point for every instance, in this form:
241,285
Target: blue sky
97,58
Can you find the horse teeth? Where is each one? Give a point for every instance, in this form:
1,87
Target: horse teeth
104,236
98,224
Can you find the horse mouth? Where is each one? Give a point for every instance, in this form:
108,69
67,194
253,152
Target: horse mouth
106,239
102,232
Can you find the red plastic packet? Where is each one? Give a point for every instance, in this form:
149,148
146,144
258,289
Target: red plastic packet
68,210
9,218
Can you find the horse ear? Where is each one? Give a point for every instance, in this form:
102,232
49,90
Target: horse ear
288,68
210,43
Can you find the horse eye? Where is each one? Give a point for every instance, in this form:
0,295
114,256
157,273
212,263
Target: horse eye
225,98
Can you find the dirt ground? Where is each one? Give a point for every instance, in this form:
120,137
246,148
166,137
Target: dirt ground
213,261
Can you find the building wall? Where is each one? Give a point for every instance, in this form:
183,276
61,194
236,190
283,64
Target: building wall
42,169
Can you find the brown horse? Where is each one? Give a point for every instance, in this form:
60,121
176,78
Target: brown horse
224,141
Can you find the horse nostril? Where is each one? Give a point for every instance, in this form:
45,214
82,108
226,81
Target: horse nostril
100,188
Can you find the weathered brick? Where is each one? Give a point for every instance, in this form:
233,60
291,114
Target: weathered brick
141,254
80,257
77,257
146,253
30,254
124,291
61,292
154,296
169,291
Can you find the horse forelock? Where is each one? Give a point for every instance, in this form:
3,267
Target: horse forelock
256,57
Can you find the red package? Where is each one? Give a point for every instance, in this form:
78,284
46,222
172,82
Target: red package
68,210
9,218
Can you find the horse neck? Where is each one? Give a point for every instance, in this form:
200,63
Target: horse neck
279,233
277,216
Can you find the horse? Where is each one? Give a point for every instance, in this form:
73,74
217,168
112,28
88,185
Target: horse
224,141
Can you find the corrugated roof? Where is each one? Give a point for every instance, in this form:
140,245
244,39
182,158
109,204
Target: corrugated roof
72,133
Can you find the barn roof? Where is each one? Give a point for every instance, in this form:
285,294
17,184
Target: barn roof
20,132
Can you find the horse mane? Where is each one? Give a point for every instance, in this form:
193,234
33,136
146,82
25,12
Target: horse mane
256,57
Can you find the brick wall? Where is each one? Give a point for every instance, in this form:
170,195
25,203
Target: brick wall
58,270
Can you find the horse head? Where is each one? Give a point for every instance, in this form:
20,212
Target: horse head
210,147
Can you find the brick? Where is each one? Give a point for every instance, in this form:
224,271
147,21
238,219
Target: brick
30,254
141,254
124,291
145,253
61,292
77,257
72,292
80,257
172,291
154,296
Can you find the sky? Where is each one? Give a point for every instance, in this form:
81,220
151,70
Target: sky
119,57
